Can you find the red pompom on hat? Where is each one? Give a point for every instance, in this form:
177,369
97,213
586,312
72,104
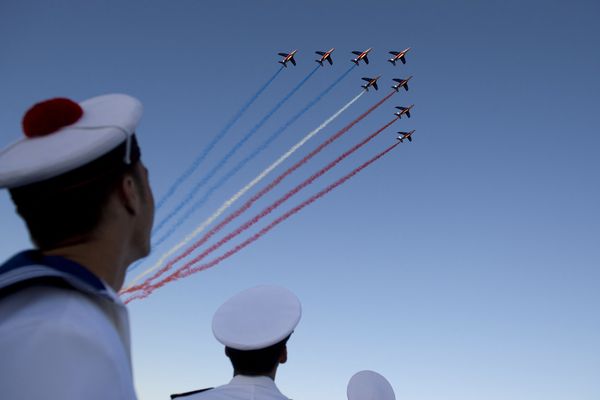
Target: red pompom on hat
49,116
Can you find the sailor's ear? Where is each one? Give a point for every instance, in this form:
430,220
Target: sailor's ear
283,355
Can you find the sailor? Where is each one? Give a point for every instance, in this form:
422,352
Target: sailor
254,326
78,183
369,385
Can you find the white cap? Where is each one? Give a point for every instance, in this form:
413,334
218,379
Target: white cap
257,318
369,385
63,135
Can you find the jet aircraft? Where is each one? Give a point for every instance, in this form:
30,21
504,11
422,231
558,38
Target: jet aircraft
361,55
370,82
403,110
287,57
325,56
398,56
401,83
405,135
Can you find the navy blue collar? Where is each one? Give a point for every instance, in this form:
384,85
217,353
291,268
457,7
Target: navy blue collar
62,264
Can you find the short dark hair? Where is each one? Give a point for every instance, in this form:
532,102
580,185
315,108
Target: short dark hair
256,362
71,205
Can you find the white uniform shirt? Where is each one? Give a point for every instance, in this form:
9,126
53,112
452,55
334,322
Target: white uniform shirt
242,387
64,343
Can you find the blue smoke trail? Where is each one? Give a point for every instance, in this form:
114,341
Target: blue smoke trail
251,156
214,142
231,152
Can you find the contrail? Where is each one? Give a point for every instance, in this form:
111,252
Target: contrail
214,142
260,215
230,153
242,191
276,181
188,270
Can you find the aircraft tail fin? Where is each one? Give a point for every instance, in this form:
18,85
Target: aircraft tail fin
355,61
282,63
392,61
320,62
410,138
408,114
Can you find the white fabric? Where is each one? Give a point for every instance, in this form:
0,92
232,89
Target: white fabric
257,318
242,388
369,385
63,344
107,121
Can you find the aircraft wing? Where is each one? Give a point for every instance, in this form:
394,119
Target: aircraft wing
366,59
397,80
358,53
283,54
293,61
375,85
401,108
330,60
321,53
394,53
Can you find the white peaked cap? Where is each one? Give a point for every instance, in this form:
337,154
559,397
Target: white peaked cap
369,385
257,318
107,121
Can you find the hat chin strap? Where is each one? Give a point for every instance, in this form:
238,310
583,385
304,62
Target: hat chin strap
127,158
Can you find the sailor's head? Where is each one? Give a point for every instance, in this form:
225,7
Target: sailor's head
369,385
254,326
77,167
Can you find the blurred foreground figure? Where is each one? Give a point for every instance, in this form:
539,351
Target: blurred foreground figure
78,182
369,385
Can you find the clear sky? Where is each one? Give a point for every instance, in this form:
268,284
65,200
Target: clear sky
464,265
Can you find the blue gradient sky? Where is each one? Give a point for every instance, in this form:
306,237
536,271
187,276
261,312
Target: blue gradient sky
464,265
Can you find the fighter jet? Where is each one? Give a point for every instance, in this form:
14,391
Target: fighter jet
370,82
361,56
399,56
405,135
287,57
325,56
403,110
401,83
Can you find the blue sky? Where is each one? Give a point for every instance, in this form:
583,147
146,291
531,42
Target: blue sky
463,265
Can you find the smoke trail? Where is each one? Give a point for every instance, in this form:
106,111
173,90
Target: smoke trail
247,159
188,268
242,191
260,215
214,142
274,183
230,153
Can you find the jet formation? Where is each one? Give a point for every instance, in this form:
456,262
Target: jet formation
371,82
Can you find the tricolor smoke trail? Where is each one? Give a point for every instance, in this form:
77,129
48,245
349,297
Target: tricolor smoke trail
230,153
214,142
260,215
263,174
225,178
189,269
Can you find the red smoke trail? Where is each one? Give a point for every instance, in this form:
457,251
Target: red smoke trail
257,196
187,269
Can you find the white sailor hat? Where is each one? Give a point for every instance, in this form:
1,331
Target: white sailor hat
61,136
257,318
369,385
